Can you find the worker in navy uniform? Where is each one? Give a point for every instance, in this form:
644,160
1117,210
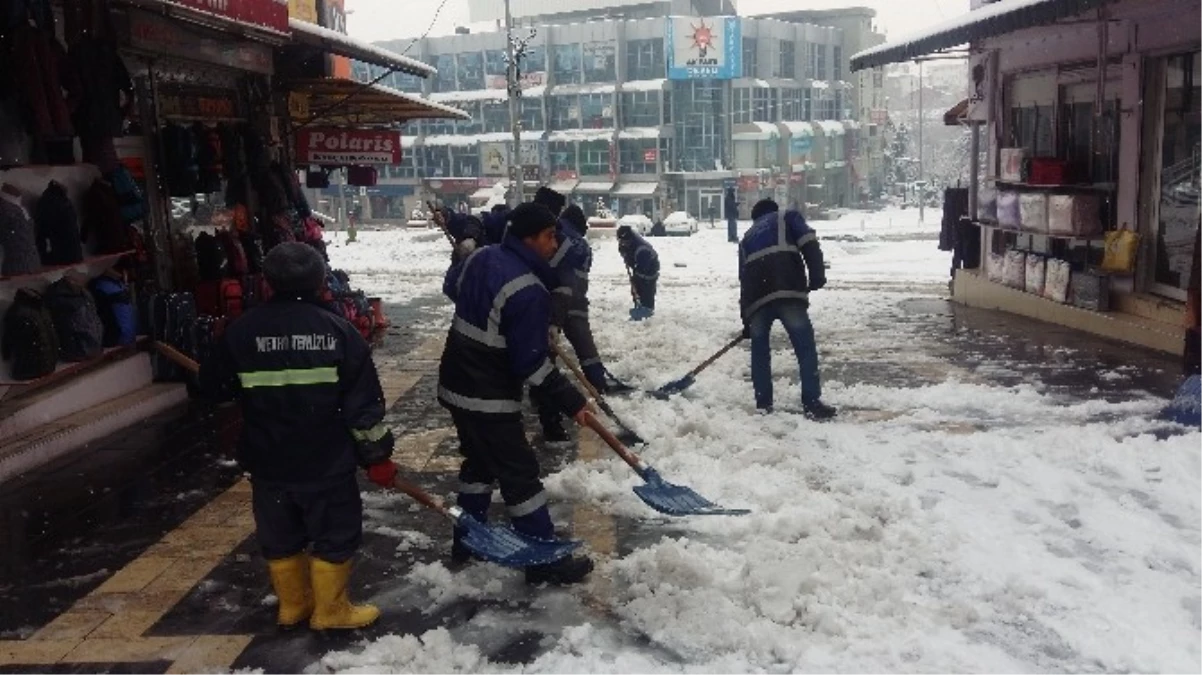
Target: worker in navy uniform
643,262
572,262
774,256
497,345
312,411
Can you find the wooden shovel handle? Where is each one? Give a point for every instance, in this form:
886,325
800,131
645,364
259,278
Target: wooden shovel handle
612,441
436,216
423,497
708,362
588,386
174,355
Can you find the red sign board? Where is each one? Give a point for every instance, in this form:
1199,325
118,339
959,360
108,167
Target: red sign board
345,147
267,14
649,155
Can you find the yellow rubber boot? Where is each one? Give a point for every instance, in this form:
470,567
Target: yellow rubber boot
290,578
333,609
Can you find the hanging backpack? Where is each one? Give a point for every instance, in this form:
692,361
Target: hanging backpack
171,318
234,253
57,223
115,305
29,341
76,321
129,195
18,242
102,218
211,258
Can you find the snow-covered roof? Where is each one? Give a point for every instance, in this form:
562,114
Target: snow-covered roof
472,139
595,186
640,132
755,131
644,85
635,189
851,124
568,135
470,95
600,88
1004,16
334,42
820,84
830,127
799,128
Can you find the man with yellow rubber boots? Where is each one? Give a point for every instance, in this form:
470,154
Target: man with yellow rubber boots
312,410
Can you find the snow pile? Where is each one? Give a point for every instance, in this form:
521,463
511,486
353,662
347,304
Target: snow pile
945,522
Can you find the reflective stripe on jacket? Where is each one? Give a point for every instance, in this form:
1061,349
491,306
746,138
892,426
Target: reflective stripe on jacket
773,257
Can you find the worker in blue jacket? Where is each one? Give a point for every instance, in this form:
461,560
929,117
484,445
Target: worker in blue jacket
774,256
642,263
498,345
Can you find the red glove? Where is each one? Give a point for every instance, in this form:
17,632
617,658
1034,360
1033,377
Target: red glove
382,473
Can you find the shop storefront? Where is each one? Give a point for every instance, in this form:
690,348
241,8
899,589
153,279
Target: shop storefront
1088,194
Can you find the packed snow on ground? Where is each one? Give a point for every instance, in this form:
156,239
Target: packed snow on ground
967,526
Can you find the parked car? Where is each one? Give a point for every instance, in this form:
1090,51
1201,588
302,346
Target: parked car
638,222
680,223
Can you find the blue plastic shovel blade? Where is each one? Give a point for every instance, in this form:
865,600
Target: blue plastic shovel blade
673,387
678,500
1186,406
506,546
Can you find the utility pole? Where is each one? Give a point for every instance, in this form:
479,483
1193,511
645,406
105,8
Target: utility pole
515,120
921,180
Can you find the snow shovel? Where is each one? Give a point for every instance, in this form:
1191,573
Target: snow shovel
1186,406
677,386
436,216
494,543
624,432
498,544
673,500
638,312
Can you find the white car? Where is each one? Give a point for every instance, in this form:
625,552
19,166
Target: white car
638,222
680,223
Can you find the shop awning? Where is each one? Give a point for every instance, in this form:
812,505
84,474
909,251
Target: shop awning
595,187
1004,16
636,189
755,131
564,187
338,101
956,114
830,127
798,129
312,35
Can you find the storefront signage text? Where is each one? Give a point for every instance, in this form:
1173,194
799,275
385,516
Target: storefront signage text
153,34
268,14
327,145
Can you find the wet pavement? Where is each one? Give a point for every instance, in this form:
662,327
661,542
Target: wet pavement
137,554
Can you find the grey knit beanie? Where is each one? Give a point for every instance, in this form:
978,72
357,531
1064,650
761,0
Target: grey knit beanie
293,267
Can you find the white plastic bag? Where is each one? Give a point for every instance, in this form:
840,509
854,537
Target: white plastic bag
995,267
1056,278
1036,267
1014,271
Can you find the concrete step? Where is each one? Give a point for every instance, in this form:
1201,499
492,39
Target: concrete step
94,387
42,444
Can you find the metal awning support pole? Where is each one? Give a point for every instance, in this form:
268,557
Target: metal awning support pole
974,169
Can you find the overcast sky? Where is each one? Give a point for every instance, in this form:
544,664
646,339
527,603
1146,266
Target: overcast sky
388,19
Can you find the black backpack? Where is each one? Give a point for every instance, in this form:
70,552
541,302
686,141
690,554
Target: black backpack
57,227
76,321
29,340
211,258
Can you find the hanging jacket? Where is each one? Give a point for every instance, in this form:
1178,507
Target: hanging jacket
115,306
103,78
47,83
18,241
102,218
29,341
498,339
76,321
638,254
773,257
58,233
312,406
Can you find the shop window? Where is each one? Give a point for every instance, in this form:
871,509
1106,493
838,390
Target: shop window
562,156
494,63
790,105
1032,103
820,72
741,105
445,79
564,112
535,60
751,48
436,160
465,161
565,61
786,66
496,116
596,111
470,70
475,125
638,155
1089,142
594,158
837,62
532,113
408,166
599,62
699,119
763,105
645,59
1178,169
640,109
811,61
667,95
807,106
837,106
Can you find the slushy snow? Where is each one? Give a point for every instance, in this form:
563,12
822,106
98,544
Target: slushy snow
980,520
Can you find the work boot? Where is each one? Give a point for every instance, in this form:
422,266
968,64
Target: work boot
290,579
332,608
570,570
553,431
819,411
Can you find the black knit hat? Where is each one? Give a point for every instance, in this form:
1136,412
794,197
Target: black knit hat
550,199
763,207
527,220
575,215
294,268
624,231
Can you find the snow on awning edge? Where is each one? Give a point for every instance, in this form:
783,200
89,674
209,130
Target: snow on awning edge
1005,16
334,42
